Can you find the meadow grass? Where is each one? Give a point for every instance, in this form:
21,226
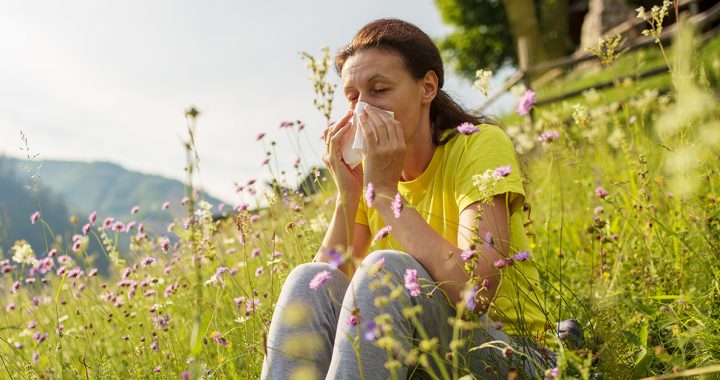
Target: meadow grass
623,212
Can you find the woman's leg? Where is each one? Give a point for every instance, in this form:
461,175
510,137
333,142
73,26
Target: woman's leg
303,325
433,317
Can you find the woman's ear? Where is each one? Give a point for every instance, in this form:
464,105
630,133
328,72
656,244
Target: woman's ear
429,86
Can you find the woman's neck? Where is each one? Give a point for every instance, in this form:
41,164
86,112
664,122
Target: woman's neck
418,155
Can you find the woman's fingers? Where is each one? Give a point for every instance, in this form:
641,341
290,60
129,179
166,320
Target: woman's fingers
333,128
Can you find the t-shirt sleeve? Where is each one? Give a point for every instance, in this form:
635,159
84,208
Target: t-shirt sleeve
488,149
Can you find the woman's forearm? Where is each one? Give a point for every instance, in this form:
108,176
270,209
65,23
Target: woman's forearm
438,256
340,231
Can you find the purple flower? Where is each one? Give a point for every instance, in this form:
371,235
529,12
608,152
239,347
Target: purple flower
165,245
135,210
467,255
383,232
352,320
336,258
10,307
601,193
501,263
34,217
552,373
370,194
86,228
503,171
470,298
107,223
372,331
397,205
549,137
147,261
255,252
165,205
522,255
411,282
526,102
16,286
259,271
126,273
497,325
219,340
239,301
32,325
251,305
467,128
320,280
260,136
92,217
489,241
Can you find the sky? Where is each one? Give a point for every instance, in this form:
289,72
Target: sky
110,81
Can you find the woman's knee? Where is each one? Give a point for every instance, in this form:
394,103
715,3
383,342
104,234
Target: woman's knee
391,261
301,276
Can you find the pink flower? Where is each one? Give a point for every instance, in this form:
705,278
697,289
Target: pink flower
86,228
467,128
411,282
320,280
503,171
93,217
34,217
383,232
135,210
397,205
470,298
336,258
255,252
370,194
265,162
259,271
165,205
467,255
148,261
526,102
501,263
107,223
352,320
260,136
165,245
549,137
184,200
601,193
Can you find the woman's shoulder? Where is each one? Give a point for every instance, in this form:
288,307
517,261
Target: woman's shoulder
487,137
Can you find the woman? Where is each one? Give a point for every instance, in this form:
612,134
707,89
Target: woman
416,159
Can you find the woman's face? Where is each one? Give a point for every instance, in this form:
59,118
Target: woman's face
381,79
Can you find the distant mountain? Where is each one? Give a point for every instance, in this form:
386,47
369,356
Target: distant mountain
78,188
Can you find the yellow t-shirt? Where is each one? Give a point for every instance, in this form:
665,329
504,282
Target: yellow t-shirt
446,188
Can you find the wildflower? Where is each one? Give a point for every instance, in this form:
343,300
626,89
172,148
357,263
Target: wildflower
158,368
36,357
260,136
135,210
39,338
526,102
185,375
489,241
23,253
336,258
552,373
383,232
467,255
10,307
239,301
600,192
165,245
147,261
184,200
161,321
52,253
108,222
126,273
265,162
352,320
320,280
470,298
130,226
251,305
372,331
255,253
482,83
503,171
254,218
86,228
467,128
16,286
370,194
548,137
259,271
397,205
411,282
275,255
32,325
93,272
165,205
522,255
92,217
501,263
219,340
118,226
35,217
377,266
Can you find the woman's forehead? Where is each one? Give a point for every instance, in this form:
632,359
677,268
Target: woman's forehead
371,64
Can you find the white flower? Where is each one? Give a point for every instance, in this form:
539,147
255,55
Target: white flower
482,83
23,253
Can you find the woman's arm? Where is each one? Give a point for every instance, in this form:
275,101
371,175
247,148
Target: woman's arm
442,259
343,232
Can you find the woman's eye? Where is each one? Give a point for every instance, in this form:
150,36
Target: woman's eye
379,90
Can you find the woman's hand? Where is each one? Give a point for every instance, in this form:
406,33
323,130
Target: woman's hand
385,149
348,180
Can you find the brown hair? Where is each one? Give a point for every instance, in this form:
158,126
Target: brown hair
419,54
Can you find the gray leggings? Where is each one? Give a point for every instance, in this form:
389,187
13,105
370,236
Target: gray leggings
313,334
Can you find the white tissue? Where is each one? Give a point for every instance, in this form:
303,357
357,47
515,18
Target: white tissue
352,149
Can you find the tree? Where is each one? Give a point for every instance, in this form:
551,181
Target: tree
485,37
